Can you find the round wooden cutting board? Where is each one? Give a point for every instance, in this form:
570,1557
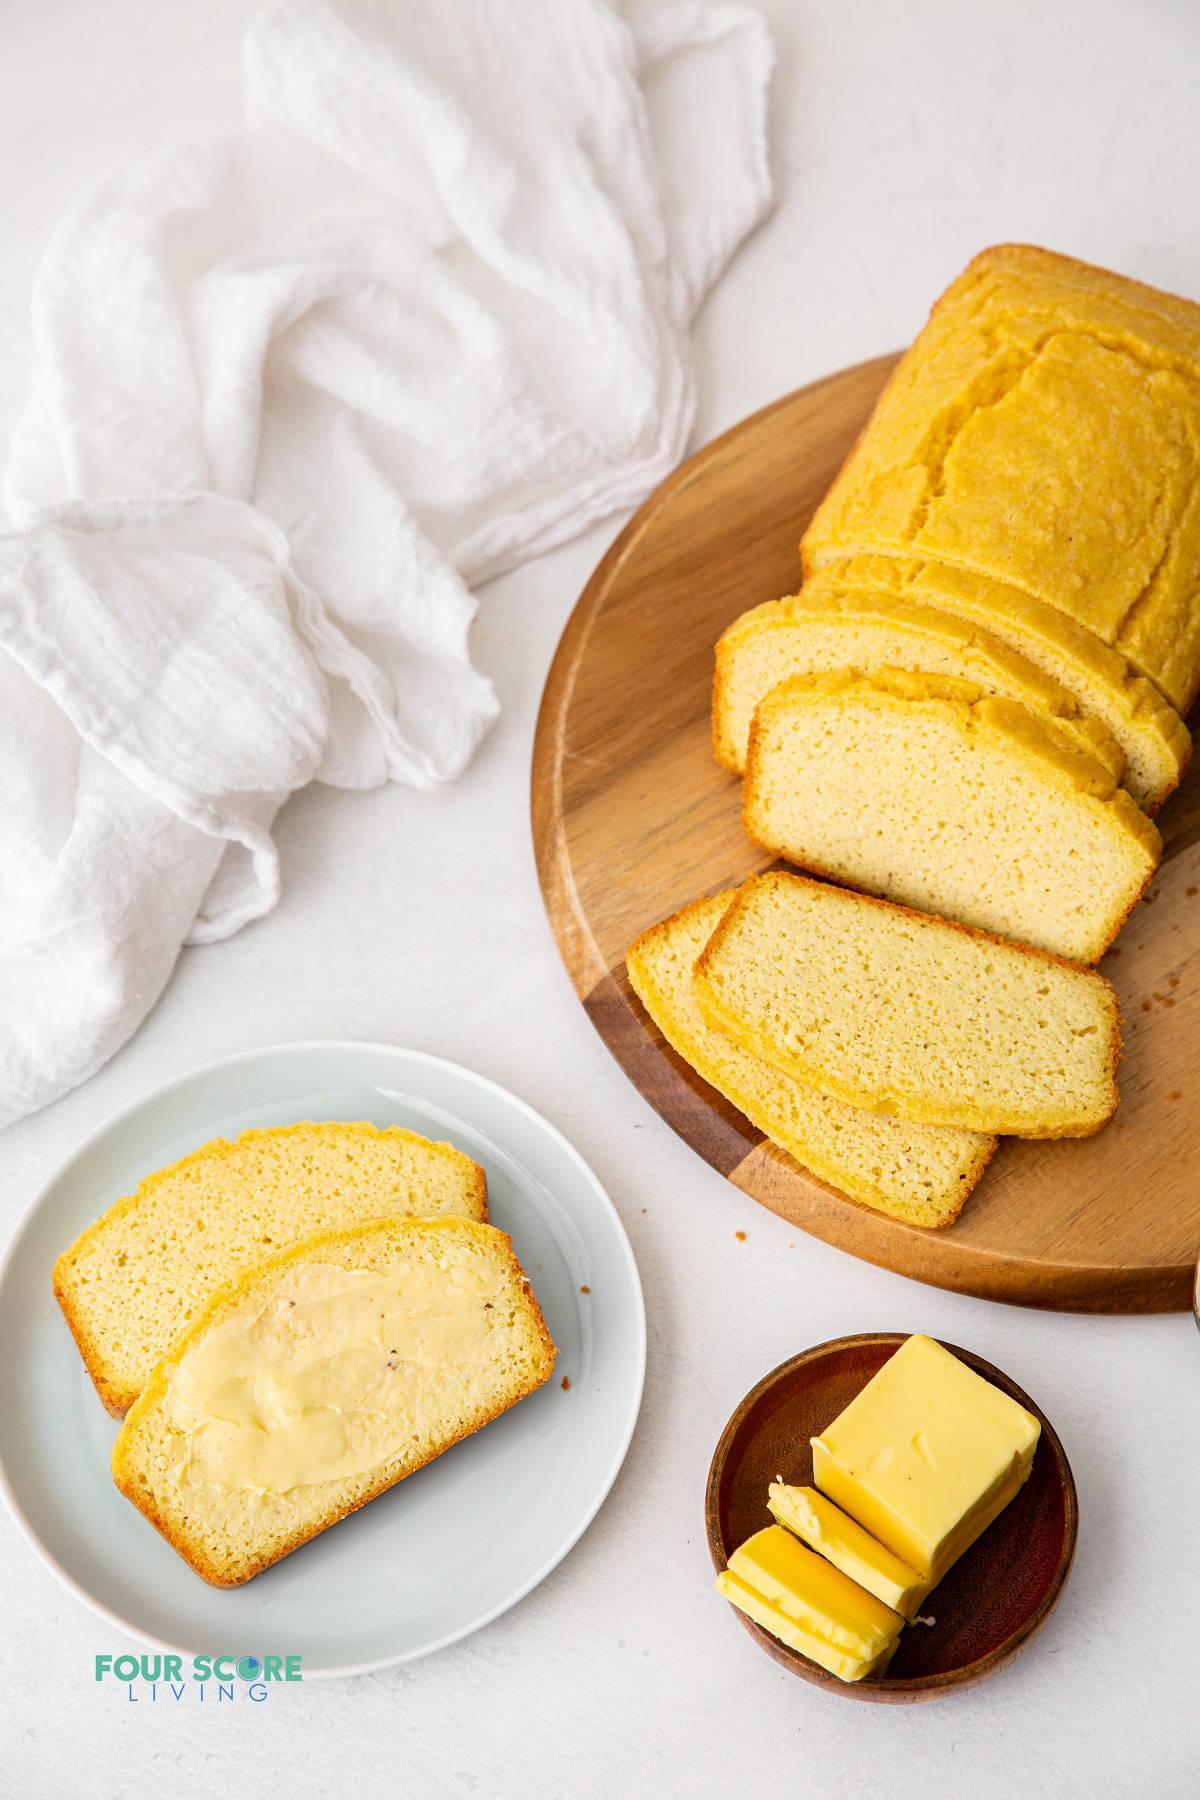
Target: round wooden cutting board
632,819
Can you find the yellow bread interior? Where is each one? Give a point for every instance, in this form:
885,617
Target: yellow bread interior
920,1174
841,1663
136,1278
322,1377
804,635
926,1456
1102,682
1044,431
909,1015
926,790
848,1546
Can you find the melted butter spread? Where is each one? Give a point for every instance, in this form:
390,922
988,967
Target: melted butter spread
337,1373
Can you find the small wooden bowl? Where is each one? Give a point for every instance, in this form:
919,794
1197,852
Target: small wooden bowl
994,1598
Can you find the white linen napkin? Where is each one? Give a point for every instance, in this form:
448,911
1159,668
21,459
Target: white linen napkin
297,389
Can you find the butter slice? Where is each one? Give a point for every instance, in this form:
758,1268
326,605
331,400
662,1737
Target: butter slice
773,1619
926,1456
834,1535
815,1595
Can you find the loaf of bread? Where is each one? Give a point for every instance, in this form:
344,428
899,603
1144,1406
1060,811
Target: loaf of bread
322,1377
911,1016
1041,433
876,611
924,790
137,1277
918,1173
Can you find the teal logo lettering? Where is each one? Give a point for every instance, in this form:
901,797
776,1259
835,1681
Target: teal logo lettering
165,1678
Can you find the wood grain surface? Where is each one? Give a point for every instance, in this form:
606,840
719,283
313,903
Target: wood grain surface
985,1608
632,819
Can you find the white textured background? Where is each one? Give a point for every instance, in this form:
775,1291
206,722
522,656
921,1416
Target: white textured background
907,135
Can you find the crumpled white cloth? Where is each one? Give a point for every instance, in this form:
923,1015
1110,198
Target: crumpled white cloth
297,389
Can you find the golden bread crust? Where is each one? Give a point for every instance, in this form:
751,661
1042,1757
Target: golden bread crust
1049,390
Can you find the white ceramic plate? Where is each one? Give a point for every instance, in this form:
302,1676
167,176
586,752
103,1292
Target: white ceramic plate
447,1550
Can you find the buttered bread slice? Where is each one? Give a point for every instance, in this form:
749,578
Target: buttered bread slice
918,1173
321,1378
926,790
137,1277
911,1016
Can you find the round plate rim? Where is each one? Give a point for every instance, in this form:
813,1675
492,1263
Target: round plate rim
422,1057
899,1688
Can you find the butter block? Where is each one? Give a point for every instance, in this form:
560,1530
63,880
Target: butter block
926,1456
837,1537
773,1619
815,1595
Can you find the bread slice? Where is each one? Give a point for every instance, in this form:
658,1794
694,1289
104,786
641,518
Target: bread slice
1041,432
911,1016
825,630
925,790
918,1173
322,1377
1103,683
132,1281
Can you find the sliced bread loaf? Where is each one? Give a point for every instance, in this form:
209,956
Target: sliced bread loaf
827,629
918,1173
911,1016
925,790
132,1281
322,1377
1041,432
1102,681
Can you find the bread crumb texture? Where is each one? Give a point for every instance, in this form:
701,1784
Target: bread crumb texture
925,790
911,1016
221,1517
876,611
144,1271
920,1174
1043,432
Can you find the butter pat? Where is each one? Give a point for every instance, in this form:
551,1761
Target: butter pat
818,1597
772,1618
834,1535
926,1456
